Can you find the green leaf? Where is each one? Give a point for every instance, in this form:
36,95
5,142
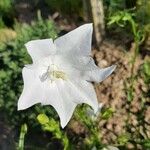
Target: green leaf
146,143
130,94
127,17
106,114
123,139
147,68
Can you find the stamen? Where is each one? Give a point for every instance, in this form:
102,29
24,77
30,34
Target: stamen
58,74
52,73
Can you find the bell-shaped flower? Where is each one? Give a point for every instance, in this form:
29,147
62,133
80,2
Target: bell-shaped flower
61,73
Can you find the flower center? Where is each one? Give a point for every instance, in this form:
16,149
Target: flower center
57,74
53,73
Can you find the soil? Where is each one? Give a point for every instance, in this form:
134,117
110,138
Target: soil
111,93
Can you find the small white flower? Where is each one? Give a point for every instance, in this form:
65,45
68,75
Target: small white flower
60,73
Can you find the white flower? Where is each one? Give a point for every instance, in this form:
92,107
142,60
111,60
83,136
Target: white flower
60,73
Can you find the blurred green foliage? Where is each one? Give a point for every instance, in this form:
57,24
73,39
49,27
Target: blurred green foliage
136,21
84,114
123,139
146,144
6,12
139,7
51,125
67,7
113,6
146,71
145,74
13,56
5,5
107,113
143,11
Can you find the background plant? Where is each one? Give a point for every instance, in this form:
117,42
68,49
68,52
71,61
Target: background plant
66,6
86,116
125,19
6,13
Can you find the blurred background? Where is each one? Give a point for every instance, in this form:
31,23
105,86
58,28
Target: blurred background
121,36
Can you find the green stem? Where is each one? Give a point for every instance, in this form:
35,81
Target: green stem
65,142
90,125
64,139
133,62
22,137
136,51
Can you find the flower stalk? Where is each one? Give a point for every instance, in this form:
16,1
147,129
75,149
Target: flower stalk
22,137
94,137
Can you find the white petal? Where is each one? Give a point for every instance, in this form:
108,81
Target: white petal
57,95
83,92
65,95
88,70
67,100
40,48
32,91
84,68
98,75
76,42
